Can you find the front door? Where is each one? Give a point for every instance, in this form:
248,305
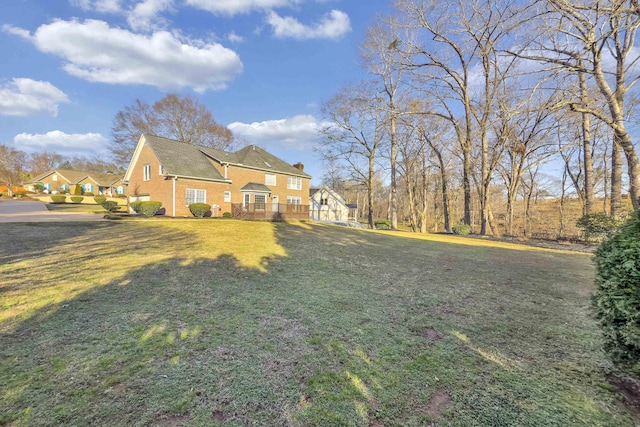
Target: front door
274,203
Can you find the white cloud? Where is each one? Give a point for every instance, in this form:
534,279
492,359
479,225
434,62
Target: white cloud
145,15
96,52
298,132
103,6
332,26
235,7
27,97
233,37
62,143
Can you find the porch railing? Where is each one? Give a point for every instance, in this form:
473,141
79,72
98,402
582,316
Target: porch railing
272,211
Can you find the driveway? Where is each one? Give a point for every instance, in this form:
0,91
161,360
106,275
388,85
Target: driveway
28,211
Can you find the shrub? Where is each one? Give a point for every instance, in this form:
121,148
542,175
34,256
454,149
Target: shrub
597,224
98,199
461,229
88,194
135,206
109,205
58,198
382,224
226,215
38,188
77,190
77,199
617,298
150,208
199,210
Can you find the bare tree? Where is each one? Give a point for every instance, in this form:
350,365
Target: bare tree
178,117
12,167
356,134
605,31
38,163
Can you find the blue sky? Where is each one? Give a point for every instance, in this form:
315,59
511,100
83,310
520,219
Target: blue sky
262,67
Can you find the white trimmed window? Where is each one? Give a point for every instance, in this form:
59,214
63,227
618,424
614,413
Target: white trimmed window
227,196
55,177
294,200
196,196
147,172
260,201
161,171
269,179
294,183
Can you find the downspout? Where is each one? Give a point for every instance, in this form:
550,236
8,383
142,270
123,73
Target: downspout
174,195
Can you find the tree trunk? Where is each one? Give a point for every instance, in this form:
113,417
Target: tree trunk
589,198
394,186
616,179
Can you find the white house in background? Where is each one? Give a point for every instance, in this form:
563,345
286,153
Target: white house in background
327,205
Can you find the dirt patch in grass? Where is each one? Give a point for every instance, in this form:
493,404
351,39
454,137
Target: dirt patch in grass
437,404
218,416
430,334
630,390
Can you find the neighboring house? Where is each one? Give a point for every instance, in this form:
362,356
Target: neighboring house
65,181
327,205
249,183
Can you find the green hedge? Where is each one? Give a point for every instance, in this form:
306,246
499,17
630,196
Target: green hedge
617,298
77,199
199,210
109,205
150,208
597,224
99,199
58,198
461,229
135,206
89,194
226,215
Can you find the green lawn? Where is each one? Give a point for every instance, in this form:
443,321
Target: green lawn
216,322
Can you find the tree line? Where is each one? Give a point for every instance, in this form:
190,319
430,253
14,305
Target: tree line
469,101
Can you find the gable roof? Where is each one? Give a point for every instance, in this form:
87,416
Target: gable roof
182,159
254,157
194,161
257,187
68,174
328,191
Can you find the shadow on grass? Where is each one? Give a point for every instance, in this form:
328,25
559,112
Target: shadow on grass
176,323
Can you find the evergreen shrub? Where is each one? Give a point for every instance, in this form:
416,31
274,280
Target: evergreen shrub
98,199
461,229
135,206
109,205
199,210
58,198
150,208
77,199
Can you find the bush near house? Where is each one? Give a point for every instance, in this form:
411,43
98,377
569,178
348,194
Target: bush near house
150,208
461,229
109,206
617,299
77,199
98,199
89,194
226,215
58,198
199,210
135,206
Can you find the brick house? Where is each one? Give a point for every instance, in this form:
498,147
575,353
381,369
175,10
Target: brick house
249,183
66,180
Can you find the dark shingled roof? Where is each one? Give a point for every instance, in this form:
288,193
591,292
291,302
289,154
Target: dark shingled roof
254,157
182,159
256,186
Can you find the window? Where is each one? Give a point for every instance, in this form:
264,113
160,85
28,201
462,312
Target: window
260,201
54,177
227,196
269,179
161,171
88,187
294,200
147,172
247,199
294,183
324,201
196,196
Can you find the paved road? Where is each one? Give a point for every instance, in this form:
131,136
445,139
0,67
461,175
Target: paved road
28,211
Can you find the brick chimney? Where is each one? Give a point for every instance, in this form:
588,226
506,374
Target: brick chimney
299,166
